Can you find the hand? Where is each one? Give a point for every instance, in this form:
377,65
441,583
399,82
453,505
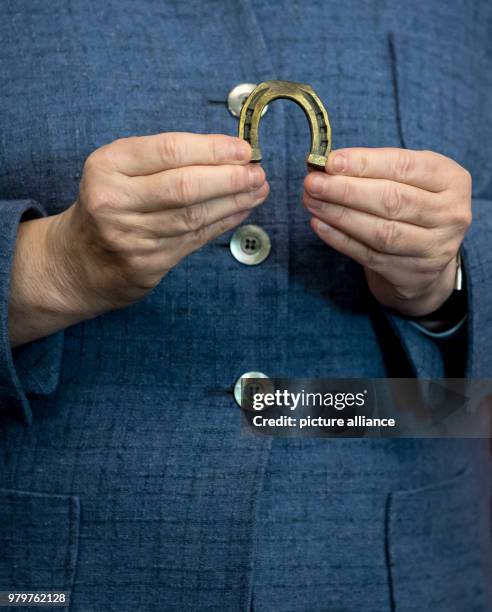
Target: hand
401,214
144,204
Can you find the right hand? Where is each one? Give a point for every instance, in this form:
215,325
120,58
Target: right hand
147,202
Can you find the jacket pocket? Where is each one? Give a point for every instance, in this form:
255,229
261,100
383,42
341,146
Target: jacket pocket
443,90
38,540
437,549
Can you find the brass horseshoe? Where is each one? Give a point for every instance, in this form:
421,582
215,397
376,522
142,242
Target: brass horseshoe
306,98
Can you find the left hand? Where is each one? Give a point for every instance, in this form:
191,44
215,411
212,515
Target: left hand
401,214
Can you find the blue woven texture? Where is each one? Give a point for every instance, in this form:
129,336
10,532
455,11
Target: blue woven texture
123,474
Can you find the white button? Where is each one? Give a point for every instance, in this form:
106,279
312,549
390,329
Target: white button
237,97
250,245
255,386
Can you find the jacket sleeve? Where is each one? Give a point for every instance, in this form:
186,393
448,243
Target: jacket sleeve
472,343
477,260
33,368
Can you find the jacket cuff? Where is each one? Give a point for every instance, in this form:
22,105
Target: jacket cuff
424,354
477,263
34,367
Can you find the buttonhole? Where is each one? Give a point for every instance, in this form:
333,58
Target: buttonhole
217,391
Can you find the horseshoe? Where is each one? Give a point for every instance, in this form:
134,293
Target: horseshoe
306,98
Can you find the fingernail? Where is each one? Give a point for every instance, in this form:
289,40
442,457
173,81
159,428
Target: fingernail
241,150
239,217
314,205
337,163
315,184
256,176
323,227
262,191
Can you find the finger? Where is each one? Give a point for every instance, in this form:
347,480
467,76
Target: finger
423,169
181,246
162,260
399,271
179,221
383,235
187,186
380,197
142,155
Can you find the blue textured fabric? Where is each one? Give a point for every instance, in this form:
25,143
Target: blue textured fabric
133,471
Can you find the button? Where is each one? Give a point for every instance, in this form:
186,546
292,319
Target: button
237,97
255,386
250,245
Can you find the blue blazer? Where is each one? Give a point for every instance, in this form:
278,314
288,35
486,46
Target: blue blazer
123,473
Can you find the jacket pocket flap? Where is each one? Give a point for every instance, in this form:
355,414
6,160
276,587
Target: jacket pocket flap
443,90
38,540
